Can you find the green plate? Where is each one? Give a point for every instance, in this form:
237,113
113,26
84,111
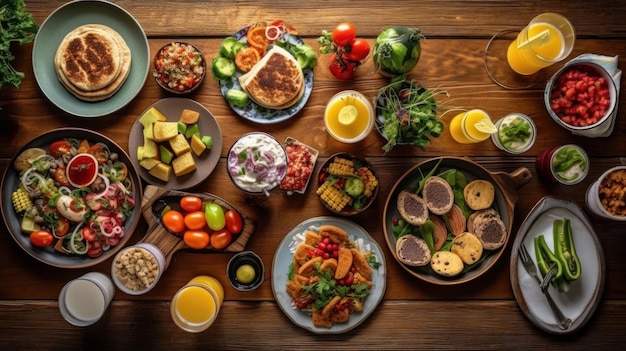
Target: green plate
65,19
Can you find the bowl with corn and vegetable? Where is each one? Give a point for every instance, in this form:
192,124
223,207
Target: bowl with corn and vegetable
347,184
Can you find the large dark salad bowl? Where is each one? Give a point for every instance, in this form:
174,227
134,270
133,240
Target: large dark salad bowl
47,255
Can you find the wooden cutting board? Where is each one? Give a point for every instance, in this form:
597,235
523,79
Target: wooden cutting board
170,243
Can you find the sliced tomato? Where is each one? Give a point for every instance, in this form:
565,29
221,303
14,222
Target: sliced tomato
256,38
60,176
88,234
59,148
94,249
99,152
83,147
246,58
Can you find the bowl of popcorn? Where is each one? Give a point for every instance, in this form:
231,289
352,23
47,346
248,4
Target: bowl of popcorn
137,269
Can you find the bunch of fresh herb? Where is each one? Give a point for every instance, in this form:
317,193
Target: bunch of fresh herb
410,113
16,25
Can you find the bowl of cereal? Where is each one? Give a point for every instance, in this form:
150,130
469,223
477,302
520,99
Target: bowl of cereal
137,269
179,67
605,196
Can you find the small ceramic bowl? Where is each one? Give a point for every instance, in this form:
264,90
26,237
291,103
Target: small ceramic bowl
556,90
611,183
245,271
179,68
349,116
127,279
338,190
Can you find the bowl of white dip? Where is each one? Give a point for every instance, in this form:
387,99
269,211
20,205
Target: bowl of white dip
257,163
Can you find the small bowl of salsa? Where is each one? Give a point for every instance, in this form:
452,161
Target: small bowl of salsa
349,116
179,68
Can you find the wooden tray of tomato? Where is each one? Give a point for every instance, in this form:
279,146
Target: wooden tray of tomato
204,222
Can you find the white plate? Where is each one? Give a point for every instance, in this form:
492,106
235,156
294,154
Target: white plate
284,257
171,108
65,19
579,303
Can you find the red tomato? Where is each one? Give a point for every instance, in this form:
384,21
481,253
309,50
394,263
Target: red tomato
195,220
174,221
88,234
196,239
61,176
234,222
41,238
94,249
191,203
59,148
343,34
357,50
221,239
341,69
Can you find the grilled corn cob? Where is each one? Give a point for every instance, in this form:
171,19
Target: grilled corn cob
369,179
21,201
333,197
341,167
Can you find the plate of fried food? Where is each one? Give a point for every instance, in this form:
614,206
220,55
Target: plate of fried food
350,262
90,58
447,220
259,51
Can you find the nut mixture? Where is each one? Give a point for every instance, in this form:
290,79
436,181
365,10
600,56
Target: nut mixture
136,268
612,192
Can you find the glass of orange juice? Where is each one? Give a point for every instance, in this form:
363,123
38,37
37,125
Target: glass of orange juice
547,39
471,126
196,305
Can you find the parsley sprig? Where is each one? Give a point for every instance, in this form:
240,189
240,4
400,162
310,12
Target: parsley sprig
327,288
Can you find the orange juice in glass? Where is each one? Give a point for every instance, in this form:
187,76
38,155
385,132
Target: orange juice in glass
471,127
196,305
547,39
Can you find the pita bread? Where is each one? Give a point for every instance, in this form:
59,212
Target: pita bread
276,81
93,62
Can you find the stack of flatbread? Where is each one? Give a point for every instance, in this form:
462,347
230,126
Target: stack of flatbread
93,62
276,81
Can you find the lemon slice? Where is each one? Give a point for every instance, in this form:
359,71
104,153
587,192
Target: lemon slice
348,114
486,126
539,39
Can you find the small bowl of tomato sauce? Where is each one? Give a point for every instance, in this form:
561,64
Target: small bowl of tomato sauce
179,67
582,97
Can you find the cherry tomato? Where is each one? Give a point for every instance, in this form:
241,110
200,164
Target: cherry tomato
214,214
357,50
174,221
191,203
341,69
41,238
234,222
83,147
100,153
221,239
195,220
59,148
196,239
61,176
88,234
94,249
344,33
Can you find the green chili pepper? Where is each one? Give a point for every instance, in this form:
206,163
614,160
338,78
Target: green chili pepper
545,260
427,231
564,249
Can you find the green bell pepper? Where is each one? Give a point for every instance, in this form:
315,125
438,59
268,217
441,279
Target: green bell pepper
564,249
545,260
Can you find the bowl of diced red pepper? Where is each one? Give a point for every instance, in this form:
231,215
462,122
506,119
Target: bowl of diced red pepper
581,96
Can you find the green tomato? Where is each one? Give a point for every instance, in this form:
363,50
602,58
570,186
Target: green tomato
214,214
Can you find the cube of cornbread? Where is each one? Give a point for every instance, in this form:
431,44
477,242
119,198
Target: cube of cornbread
179,144
184,164
149,149
147,121
149,163
161,171
197,145
164,131
189,116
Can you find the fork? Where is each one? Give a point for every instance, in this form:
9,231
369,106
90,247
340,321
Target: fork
530,267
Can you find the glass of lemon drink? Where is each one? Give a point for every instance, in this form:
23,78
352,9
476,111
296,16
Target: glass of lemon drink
196,305
547,39
471,126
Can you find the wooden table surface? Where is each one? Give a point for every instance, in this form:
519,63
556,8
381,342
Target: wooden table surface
482,314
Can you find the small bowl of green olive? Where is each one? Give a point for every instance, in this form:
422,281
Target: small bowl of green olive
245,271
